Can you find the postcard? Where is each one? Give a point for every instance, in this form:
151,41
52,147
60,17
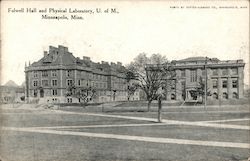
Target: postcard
127,80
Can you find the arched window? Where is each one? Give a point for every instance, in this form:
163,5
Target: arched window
235,95
225,95
172,96
215,95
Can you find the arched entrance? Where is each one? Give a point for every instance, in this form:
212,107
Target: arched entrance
41,93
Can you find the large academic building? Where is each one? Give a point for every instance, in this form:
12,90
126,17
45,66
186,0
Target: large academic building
48,79
224,78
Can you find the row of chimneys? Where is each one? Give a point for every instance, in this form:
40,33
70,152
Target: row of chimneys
63,49
55,49
112,63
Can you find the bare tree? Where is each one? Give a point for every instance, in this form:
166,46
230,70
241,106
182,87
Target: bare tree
199,91
131,91
83,93
150,74
131,87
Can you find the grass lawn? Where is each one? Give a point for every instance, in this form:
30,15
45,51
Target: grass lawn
38,146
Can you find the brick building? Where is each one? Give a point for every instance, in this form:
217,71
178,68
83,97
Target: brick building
224,78
47,80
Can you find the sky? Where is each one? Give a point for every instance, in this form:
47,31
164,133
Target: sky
150,27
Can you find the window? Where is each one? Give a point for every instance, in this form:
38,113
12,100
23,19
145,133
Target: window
79,82
235,95
45,83
35,83
215,95
234,71
193,76
234,83
83,74
35,93
215,83
172,86
41,93
70,82
90,76
182,85
45,73
183,74
35,74
54,82
53,73
54,100
224,84
215,71
172,96
203,72
54,92
224,72
225,95
69,100
69,73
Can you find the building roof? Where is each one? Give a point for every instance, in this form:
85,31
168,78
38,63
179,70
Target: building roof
57,59
61,56
198,58
11,83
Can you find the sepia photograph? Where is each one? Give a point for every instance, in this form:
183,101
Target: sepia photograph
124,81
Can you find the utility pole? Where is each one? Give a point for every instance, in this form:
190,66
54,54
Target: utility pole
205,88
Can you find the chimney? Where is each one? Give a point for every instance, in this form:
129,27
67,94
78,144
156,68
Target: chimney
45,53
62,49
240,61
52,50
119,63
104,62
86,58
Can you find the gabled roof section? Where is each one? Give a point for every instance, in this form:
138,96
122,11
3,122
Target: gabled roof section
64,59
56,56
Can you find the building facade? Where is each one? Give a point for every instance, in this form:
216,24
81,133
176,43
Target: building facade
224,78
10,94
47,80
